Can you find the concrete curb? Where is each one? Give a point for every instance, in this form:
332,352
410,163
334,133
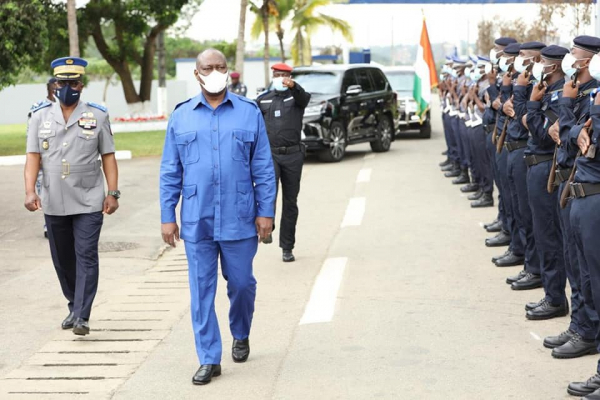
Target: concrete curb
20,160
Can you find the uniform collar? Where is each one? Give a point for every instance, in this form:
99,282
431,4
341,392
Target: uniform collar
58,114
200,99
556,85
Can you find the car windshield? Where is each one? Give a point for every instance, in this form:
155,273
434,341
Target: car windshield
318,82
401,81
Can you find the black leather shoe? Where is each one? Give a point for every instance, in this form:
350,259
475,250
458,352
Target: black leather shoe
574,348
205,374
510,260
487,200
240,350
529,281
495,227
584,388
475,196
463,177
551,342
449,167
535,304
453,173
445,152
501,239
445,162
496,258
547,310
470,188
593,396
485,226
68,322
511,279
288,256
81,327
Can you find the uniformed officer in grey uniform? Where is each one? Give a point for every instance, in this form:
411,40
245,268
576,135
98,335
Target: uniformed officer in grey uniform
67,138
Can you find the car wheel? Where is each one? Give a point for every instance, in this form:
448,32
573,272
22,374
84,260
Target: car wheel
425,131
385,130
337,146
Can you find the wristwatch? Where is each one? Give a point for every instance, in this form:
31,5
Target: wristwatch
114,193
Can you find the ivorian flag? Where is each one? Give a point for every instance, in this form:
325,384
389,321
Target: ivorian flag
425,75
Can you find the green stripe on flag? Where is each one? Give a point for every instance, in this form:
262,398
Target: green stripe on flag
422,105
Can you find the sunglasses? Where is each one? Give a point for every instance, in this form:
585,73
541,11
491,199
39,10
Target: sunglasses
73,83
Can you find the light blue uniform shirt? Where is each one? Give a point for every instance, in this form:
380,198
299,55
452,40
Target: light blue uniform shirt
219,161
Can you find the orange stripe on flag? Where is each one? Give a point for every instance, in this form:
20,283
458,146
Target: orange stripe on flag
428,55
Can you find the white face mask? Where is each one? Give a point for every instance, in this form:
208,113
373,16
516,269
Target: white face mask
594,67
278,84
476,75
215,82
520,63
567,65
494,55
538,71
504,64
468,72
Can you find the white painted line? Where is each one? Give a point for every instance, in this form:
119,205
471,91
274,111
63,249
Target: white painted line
354,212
123,155
536,337
364,175
481,224
321,305
369,156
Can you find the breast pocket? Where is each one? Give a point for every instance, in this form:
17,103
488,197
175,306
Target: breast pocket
187,145
46,138
88,140
242,145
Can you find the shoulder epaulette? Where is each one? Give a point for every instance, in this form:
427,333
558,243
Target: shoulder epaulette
261,94
40,106
247,100
98,106
183,102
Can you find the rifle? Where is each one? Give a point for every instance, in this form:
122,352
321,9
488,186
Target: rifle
502,137
494,133
564,196
551,178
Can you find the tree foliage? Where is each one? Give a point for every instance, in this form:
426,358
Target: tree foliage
190,48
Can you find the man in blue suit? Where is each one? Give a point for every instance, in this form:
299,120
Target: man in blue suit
217,156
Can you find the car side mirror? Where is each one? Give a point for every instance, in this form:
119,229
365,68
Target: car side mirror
353,90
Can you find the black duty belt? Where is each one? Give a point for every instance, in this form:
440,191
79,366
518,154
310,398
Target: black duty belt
286,150
562,175
512,146
535,159
579,190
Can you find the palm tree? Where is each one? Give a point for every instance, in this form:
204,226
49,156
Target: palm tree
284,7
239,52
305,23
265,11
73,34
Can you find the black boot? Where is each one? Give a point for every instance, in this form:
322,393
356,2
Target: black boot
575,347
445,152
495,227
463,177
453,172
487,200
485,226
476,196
528,282
511,279
501,239
510,260
446,162
546,310
448,167
470,187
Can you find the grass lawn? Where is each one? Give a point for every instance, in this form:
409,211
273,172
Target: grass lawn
141,144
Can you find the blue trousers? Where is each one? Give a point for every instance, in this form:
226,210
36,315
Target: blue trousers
517,181
491,151
455,124
584,318
482,167
547,233
450,138
475,157
585,220
446,133
516,244
465,161
236,266
73,243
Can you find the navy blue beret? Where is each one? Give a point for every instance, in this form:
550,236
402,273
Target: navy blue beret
484,59
512,49
459,61
505,41
532,46
554,52
587,43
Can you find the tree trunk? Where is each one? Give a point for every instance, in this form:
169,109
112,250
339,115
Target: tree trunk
73,33
265,18
300,44
147,65
162,75
240,47
280,37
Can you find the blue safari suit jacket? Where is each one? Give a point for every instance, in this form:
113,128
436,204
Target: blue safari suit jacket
219,162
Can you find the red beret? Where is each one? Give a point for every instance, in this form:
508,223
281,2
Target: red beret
281,67
235,75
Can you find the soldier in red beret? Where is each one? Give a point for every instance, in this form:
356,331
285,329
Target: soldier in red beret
236,86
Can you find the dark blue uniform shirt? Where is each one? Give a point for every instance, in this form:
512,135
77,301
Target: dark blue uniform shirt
540,141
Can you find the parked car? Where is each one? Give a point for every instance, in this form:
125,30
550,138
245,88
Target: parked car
402,80
350,104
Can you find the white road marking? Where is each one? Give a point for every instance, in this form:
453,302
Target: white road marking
536,337
369,156
321,305
354,212
481,224
364,175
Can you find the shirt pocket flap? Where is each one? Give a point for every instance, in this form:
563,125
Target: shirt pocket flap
87,134
189,191
244,187
46,133
185,138
244,136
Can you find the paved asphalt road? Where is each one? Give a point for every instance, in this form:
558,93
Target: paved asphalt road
393,294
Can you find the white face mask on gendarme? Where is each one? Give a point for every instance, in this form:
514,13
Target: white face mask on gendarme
214,82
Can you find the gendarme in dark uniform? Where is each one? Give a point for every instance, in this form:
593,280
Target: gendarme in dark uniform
283,110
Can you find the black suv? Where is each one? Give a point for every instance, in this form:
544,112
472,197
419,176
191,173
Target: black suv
350,104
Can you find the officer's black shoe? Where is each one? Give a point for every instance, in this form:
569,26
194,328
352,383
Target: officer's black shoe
288,256
550,342
475,196
453,173
574,348
46,234
529,281
535,304
485,226
68,322
584,388
205,374
593,396
445,152
447,161
512,279
449,167
501,239
487,200
495,227
81,327
510,260
496,258
547,310
470,188
463,177
240,350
